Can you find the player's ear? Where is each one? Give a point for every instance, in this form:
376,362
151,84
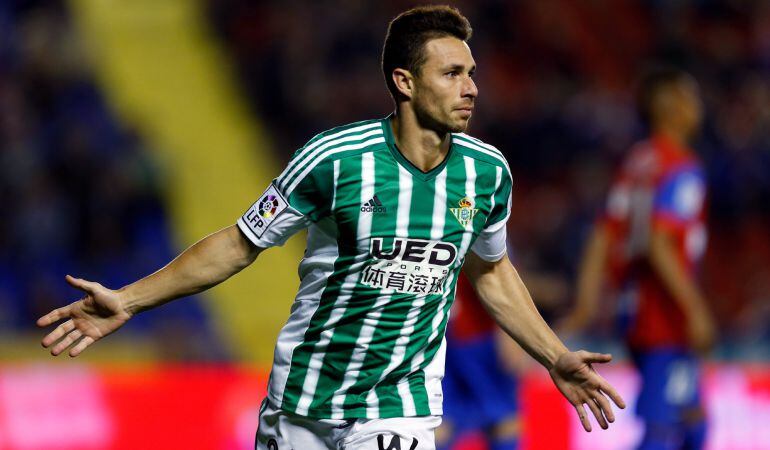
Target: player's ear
404,82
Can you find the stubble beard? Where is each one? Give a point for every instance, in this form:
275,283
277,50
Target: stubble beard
461,128
430,121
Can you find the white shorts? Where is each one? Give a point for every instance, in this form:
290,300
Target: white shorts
280,430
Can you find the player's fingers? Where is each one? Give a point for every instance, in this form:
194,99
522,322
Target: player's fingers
612,393
82,345
54,316
605,406
57,334
83,285
591,357
597,413
583,416
66,342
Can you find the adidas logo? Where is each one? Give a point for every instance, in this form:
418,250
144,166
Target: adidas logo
373,206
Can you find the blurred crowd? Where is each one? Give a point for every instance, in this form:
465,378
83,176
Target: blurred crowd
81,194
556,81
79,190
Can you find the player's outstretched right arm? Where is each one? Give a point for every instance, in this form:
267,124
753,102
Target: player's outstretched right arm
507,300
102,311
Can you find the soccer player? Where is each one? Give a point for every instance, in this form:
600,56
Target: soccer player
649,241
393,208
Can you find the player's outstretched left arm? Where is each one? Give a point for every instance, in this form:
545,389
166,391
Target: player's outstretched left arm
506,298
102,311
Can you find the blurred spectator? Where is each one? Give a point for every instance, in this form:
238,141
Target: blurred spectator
79,192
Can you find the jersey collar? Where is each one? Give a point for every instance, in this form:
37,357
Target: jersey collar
405,163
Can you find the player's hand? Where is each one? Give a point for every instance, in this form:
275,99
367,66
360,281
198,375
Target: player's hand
89,319
581,385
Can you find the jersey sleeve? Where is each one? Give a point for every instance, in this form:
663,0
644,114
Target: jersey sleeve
300,196
679,199
490,245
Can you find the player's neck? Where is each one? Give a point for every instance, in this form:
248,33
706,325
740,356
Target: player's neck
423,147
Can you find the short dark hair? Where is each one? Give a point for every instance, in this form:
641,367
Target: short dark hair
651,83
411,30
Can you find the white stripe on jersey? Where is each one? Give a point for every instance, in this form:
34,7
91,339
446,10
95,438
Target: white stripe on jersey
323,251
367,192
366,333
404,202
378,140
483,148
498,180
346,291
439,207
296,163
480,142
434,371
501,223
470,192
336,167
406,397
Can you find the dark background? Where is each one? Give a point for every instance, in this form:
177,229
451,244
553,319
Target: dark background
556,96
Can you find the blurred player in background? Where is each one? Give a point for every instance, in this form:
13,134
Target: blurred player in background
394,207
648,243
479,384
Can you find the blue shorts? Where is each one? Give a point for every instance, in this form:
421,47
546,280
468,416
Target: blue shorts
671,384
478,391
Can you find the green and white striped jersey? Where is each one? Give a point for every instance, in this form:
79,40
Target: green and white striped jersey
365,337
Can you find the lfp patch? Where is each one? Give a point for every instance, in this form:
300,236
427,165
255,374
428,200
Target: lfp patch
265,211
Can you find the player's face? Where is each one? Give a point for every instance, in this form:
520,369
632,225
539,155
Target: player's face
690,105
682,105
444,93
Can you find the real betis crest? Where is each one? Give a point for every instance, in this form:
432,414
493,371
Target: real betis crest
466,212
